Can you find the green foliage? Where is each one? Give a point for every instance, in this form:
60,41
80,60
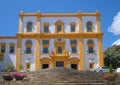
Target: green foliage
112,56
9,67
111,69
21,66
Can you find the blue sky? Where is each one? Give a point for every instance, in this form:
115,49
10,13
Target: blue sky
9,10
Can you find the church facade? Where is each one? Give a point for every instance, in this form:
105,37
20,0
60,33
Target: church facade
48,40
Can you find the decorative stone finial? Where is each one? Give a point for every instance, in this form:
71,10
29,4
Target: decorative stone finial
97,11
79,11
21,11
38,11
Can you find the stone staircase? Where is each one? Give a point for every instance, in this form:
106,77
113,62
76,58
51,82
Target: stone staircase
61,76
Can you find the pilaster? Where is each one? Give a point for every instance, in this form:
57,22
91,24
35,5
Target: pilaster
80,21
38,23
98,21
100,52
81,54
20,24
37,58
18,53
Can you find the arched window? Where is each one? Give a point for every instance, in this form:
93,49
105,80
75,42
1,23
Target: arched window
28,47
89,26
29,26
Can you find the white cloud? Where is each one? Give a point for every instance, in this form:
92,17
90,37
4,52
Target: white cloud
115,26
117,42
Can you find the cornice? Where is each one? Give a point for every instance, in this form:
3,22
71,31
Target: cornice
60,14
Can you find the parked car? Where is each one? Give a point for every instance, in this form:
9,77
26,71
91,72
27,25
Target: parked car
118,70
103,69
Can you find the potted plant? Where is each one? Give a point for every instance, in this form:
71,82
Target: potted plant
21,68
9,67
110,77
7,77
19,76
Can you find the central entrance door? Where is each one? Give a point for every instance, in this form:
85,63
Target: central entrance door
59,64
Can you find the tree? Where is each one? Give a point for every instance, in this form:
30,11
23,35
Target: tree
111,69
112,56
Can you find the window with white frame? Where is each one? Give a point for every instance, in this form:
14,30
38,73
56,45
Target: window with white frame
29,26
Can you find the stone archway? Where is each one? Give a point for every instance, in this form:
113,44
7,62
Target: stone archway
74,63
45,63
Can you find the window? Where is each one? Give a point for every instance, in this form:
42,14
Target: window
3,49
45,50
28,50
28,46
11,49
27,65
89,26
60,50
59,28
74,50
72,25
90,50
90,42
28,42
91,65
73,42
29,26
46,29
72,28
45,41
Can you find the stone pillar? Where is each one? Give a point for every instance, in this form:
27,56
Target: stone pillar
81,54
